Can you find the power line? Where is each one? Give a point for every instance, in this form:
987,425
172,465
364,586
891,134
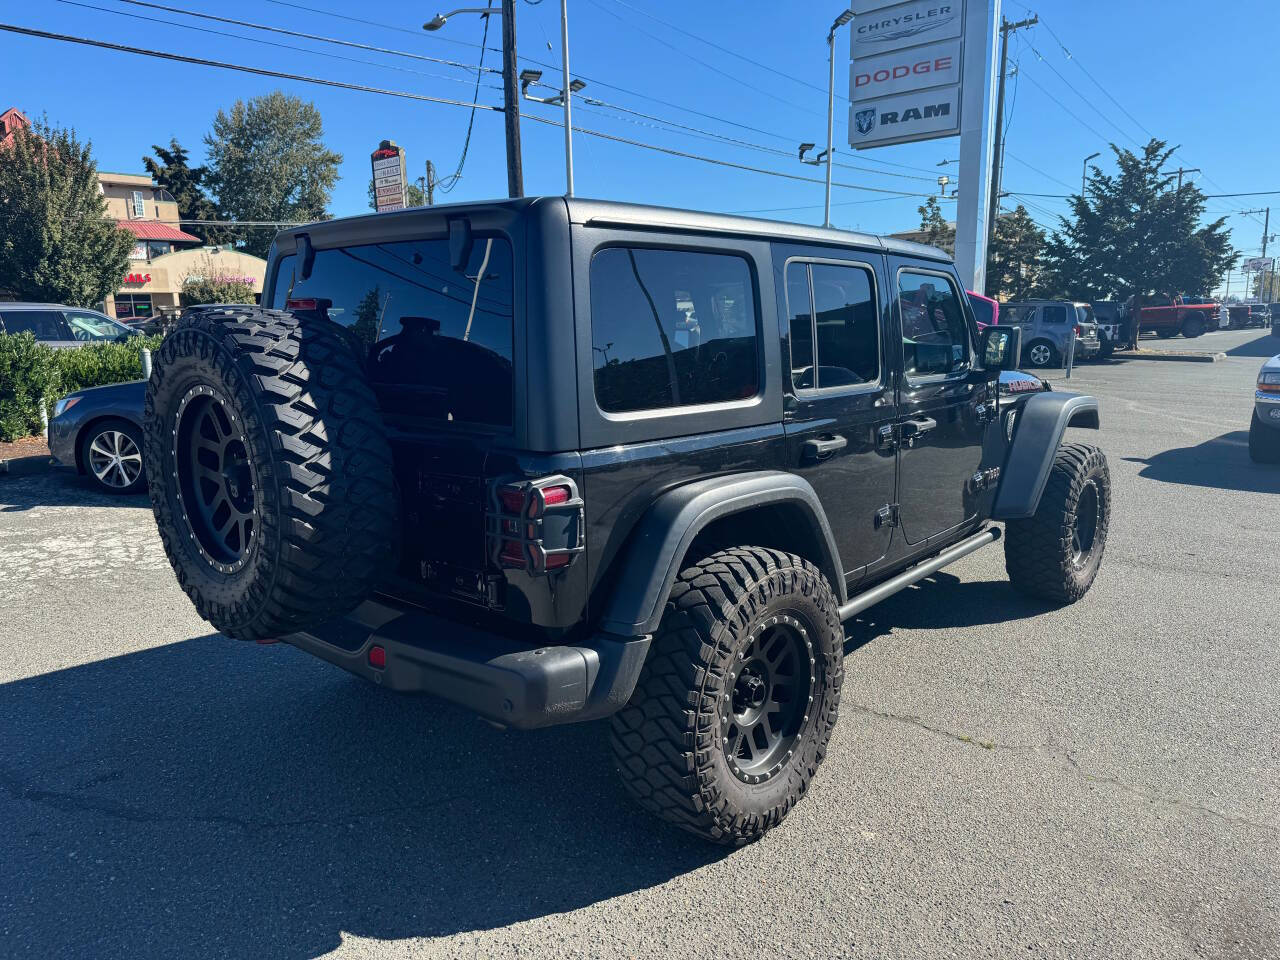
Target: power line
374,23
451,181
1067,109
269,43
300,35
222,65
1088,102
1047,176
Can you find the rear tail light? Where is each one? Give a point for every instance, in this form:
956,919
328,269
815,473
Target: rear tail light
1079,332
535,525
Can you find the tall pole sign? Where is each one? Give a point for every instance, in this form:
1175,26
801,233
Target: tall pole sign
389,178
924,69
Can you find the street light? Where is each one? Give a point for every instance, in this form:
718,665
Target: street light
845,17
1085,171
439,20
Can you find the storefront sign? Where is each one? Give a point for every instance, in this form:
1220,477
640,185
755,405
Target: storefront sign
389,179
137,278
912,116
883,25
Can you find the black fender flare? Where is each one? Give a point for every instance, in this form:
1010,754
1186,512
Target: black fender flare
1042,421
658,545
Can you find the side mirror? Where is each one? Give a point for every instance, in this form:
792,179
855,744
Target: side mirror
1001,348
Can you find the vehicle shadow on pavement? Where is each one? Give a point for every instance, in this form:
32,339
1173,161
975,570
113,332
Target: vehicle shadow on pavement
215,798
1265,346
939,601
1222,462
60,487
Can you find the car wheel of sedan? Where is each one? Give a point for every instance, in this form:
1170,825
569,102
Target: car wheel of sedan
1264,441
1040,353
111,453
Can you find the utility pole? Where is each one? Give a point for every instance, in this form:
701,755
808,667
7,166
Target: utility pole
1266,225
431,183
997,158
511,100
1180,171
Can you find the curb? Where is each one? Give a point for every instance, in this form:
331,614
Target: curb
1170,356
25,466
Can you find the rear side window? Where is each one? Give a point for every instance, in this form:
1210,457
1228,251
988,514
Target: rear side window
1055,313
672,328
44,324
436,342
835,336
935,334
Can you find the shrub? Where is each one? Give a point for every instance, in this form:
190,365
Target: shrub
28,375
97,364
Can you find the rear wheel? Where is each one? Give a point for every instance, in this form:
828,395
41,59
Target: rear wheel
1264,441
1040,353
1055,554
269,471
733,710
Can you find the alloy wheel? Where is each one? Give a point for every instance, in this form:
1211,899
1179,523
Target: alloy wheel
114,459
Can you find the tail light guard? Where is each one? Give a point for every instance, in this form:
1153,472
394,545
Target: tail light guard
535,525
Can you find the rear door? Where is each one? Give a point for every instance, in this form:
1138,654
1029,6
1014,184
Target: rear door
943,406
438,346
839,403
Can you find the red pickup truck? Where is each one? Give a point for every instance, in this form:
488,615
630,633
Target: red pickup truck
1168,316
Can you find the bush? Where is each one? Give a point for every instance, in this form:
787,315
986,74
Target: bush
32,372
212,289
28,374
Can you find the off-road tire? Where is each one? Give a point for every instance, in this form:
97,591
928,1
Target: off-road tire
321,489
668,741
1264,441
1052,358
1193,326
1040,552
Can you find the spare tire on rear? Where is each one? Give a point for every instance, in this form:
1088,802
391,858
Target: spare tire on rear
268,468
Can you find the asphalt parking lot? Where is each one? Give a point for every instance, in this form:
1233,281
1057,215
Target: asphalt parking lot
1006,779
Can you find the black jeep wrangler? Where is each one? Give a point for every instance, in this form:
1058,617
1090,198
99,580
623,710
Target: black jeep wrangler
557,460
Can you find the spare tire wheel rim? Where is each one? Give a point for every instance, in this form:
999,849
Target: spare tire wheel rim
769,698
1085,530
217,482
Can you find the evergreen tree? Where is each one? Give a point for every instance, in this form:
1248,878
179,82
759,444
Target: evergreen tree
933,224
170,168
56,243
1013,266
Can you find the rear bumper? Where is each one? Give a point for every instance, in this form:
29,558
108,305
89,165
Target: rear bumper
511,685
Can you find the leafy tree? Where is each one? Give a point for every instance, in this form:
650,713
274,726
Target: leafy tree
170,168
56,243
267,162
416,196
1014,259
934,226
1134,232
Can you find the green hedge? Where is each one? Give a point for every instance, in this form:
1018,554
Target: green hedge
31,372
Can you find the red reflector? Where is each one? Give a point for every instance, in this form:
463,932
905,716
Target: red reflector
377,657
512,553
555,560
512,499
555,495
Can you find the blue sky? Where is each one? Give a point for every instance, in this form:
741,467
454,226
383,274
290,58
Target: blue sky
1178,70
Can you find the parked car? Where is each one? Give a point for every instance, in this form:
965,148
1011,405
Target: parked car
1264,429
558,459
1115,331
60,326
1169,316
985,310
98,431
1273,313
1047,326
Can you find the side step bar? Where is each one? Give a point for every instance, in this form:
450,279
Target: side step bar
921,570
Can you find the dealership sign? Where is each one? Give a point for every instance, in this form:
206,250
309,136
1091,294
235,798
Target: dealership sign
905,78
389,180
1258,265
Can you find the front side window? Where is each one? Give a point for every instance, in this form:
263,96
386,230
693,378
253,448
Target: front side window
437,342
90,326
935,334
43,324
1022,314
672,328
835,336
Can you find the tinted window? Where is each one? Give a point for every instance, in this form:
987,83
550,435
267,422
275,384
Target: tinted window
935,335
1055,313
981,310
45,324
435,341
90,326
1017,313
800,315
844,330
671,328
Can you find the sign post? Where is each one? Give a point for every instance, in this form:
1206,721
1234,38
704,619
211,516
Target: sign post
389,179
923,69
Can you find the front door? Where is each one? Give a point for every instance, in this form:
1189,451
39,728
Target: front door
943,407
839,422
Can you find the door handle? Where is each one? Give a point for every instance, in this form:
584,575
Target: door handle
917,427
819,448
